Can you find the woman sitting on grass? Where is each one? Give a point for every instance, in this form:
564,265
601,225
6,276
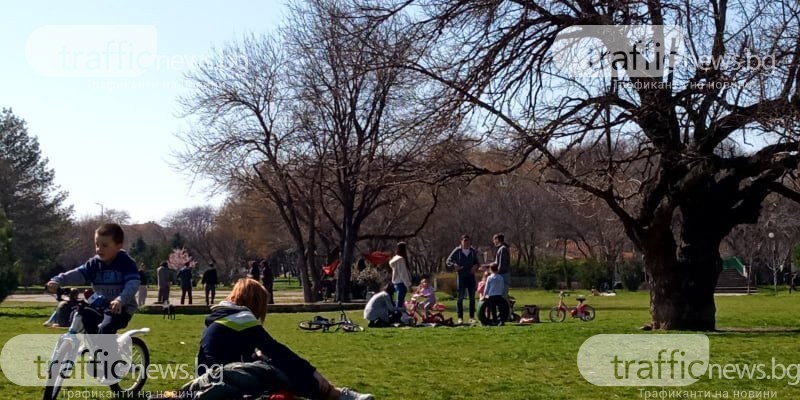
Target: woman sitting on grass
380,310
234,329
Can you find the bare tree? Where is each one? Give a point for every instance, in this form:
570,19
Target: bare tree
196,225
246,137
677,188
360,119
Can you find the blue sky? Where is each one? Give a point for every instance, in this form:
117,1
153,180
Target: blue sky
107,123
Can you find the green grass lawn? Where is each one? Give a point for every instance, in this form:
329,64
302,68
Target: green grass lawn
509,362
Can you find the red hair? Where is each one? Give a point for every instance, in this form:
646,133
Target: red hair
251,294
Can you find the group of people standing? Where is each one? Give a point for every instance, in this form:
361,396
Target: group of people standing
262,272
463,260
185,277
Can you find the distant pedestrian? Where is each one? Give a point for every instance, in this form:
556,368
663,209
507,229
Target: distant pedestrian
253,272
209,282
185,279
268,279
163,277
142,285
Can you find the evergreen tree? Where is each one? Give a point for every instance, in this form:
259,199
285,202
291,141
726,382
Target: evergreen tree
8,279
29,198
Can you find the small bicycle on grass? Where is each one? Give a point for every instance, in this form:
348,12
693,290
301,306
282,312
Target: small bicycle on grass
582,311
70,348
415,308
344,323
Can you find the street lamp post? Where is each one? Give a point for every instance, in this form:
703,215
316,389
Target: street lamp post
102,210
774,263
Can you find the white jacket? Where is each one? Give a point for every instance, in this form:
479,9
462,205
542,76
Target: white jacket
400,271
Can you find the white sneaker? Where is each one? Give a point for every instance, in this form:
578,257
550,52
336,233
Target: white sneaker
460,321
472,321
350,394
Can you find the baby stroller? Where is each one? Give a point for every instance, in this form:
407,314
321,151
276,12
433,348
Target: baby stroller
505,308
328,281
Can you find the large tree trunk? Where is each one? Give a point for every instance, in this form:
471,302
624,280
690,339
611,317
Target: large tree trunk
682,279
302,266
345,267
682,293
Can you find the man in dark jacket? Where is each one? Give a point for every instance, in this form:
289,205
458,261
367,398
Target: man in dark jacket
209,282
464,261
268,279
185,278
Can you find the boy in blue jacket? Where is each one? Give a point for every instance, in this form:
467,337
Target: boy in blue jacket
112,274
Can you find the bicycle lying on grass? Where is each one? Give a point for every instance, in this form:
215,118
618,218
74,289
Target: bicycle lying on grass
582,311
75,344
344,323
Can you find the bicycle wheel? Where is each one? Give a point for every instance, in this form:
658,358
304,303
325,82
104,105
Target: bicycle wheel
134,380
588,313
351,327
483,313
310,325
437,318
59,370
558,314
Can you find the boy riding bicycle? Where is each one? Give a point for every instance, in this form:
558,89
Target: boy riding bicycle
112,273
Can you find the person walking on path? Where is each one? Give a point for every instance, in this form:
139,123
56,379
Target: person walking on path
268,279
253,272
209,282
401,279
185,279
142,295
464,261
163,277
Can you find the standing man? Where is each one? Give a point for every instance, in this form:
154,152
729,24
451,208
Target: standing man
185,279
268,279
209,282
464,261
142,295
163,276
502,260
253,270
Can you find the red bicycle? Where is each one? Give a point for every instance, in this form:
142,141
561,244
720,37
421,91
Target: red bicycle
416,310
582,311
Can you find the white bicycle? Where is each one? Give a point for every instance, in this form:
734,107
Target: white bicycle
73,345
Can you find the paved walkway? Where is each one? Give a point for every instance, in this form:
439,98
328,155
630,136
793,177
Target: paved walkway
198,296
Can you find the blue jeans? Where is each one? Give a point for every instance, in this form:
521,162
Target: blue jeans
466,285
506,283
401,290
